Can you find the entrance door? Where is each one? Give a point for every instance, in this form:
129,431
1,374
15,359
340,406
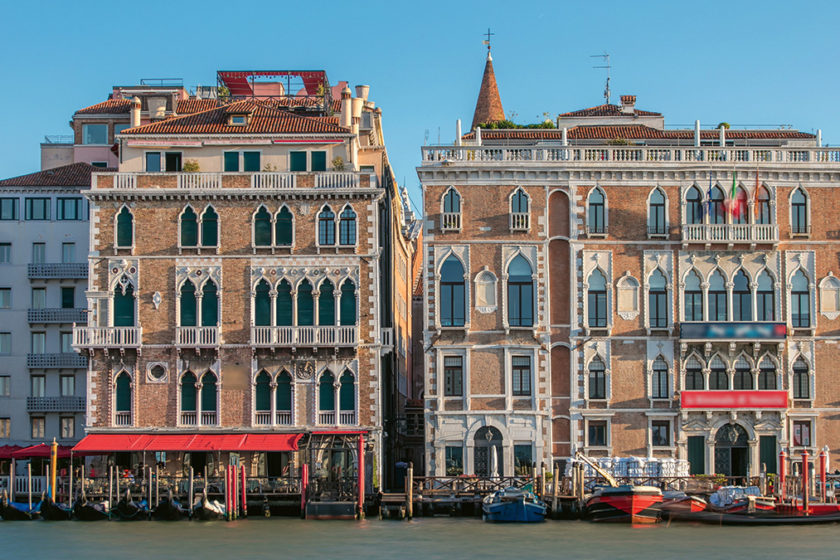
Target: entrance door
731,451
487,458
767,453
696,455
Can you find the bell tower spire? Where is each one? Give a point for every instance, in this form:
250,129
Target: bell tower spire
488,108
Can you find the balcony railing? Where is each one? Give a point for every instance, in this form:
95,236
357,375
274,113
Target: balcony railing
624,155
387,339
281,418
347,417
262,418
284,417
730,233
57,315
208,418
336,180
520,221
657,230
273,181
450,221
326,418
266,337
60,360
55,404
216,180
49,271
189,418
122,418
107,337
197,337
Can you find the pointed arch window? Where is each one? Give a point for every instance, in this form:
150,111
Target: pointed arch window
741,298
326,393
326,303
800,301
743,379
801,380
659,385
451,214
305,304
326,226
765,298
284,304
123,393
799,212
209,228
519,215
520,293
262,396
283,398
717,207
658,300
210,305
262,304
124,303
347,227
763,210
284,228
717,297
596,220
718,378
125,228
347,315
597,379
740,207
188,304
208,399
694,206
656,213
452,293
693,297
262,227
188,394
189,227
694,375
347,398
767,375
597,299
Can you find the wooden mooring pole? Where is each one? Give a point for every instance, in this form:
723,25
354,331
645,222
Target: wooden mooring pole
555,482
191,490
409,491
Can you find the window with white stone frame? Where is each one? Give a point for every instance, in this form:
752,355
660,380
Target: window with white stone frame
657,213
597,432
660,386
660,433
485,291
658,300
800,223
450,211
596,213
830,296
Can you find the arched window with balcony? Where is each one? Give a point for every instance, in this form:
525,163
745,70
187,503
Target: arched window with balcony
125,228
597,212
209,399
452,293
122,399
799,212
596,299
694,375
188,304
717,206
283,398
347,226
801,380
124,303
209,304
189,227
597,379
718,378
717,297
451,210
520,293
347,398
694,206
305,304
326,226
660,387
347,304
262,398
284,304
209,228
658,300
740,207
763,215
188,399
262,304
741,297
284,227
767,380
765,298
262,227
656,213
326,303
800,301
743,379
693,297
326,398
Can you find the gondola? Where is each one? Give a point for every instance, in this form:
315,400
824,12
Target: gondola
129,510
513,505
205,510
18,511
84,510
170,509
52,511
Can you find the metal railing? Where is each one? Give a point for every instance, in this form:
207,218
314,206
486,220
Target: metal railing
55,404
304,336
520,221
57,315
59,360
57,270
58,139
204,337
107,337
731,233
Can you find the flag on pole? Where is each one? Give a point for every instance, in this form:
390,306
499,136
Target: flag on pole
735,204
755,197
709,196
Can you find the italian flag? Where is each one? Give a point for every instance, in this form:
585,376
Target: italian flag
737,204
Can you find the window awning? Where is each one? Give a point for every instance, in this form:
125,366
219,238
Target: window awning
110,443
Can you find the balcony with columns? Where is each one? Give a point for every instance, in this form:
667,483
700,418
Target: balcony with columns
233,181
90,338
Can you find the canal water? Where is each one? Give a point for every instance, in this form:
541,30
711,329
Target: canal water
425,538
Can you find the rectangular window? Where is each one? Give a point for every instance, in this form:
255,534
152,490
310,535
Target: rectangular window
94,134
231,162
118,128
69,209
596,433
5,428
319,161
68,297
454,460
39,253
297,161
802,433
152,162
66,339
39,298
39,342
8,209
5,253
5,298
238,119
5,343
5,385
521,369
100,164
251,161
39,385
37,209
68,427
38,423
660,433
173,161
523,459
68,252
453,376
68,385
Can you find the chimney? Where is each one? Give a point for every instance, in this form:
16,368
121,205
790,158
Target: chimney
628,104
478,136
135,111
819,138
358,105
458,132
722,136
346,117
363,91
565,138
697,133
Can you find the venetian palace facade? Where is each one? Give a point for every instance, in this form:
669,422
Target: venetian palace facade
237,306
618,288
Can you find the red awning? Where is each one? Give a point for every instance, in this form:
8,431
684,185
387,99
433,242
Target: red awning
41,450
110,443
7,450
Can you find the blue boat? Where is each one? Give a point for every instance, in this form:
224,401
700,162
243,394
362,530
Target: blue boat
18,511
513,505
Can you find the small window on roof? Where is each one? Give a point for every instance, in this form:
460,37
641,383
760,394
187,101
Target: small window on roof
238,119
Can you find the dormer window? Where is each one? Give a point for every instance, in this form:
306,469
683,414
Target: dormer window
238,120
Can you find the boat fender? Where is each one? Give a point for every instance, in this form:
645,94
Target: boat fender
265,508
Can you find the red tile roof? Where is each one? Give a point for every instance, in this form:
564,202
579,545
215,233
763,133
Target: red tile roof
192,105
109,107
264,119
631,132
488,106
609,111
73,175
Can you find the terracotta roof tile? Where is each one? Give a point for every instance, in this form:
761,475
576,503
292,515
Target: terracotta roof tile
609,111
264,120
109,107
488,107
192,105
73,175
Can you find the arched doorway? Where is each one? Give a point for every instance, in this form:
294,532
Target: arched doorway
488,459
732,457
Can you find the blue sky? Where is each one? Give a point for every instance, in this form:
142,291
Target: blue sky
744,62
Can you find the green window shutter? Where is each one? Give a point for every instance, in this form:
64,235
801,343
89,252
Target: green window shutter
189,228
319,161
210,306
283,396
262,228
123,393
125,231
263,392
208,393
124,307
346,394
348,304
697,454
210,228
305,305
284,304
188,392
232,161
188,301
262,305
297,161
68,297
326,304
767,453
283,228
326,393
251,161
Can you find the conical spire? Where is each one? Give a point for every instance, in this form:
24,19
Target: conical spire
488,108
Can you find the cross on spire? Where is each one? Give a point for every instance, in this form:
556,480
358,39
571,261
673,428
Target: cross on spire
487,40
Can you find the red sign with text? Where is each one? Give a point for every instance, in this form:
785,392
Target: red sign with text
734,399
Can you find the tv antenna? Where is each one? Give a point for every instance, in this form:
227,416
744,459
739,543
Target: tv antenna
606,65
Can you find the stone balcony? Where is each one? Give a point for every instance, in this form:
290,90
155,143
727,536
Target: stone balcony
107,337
197,337
260,181
730,233
57,315
293,337
48,271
